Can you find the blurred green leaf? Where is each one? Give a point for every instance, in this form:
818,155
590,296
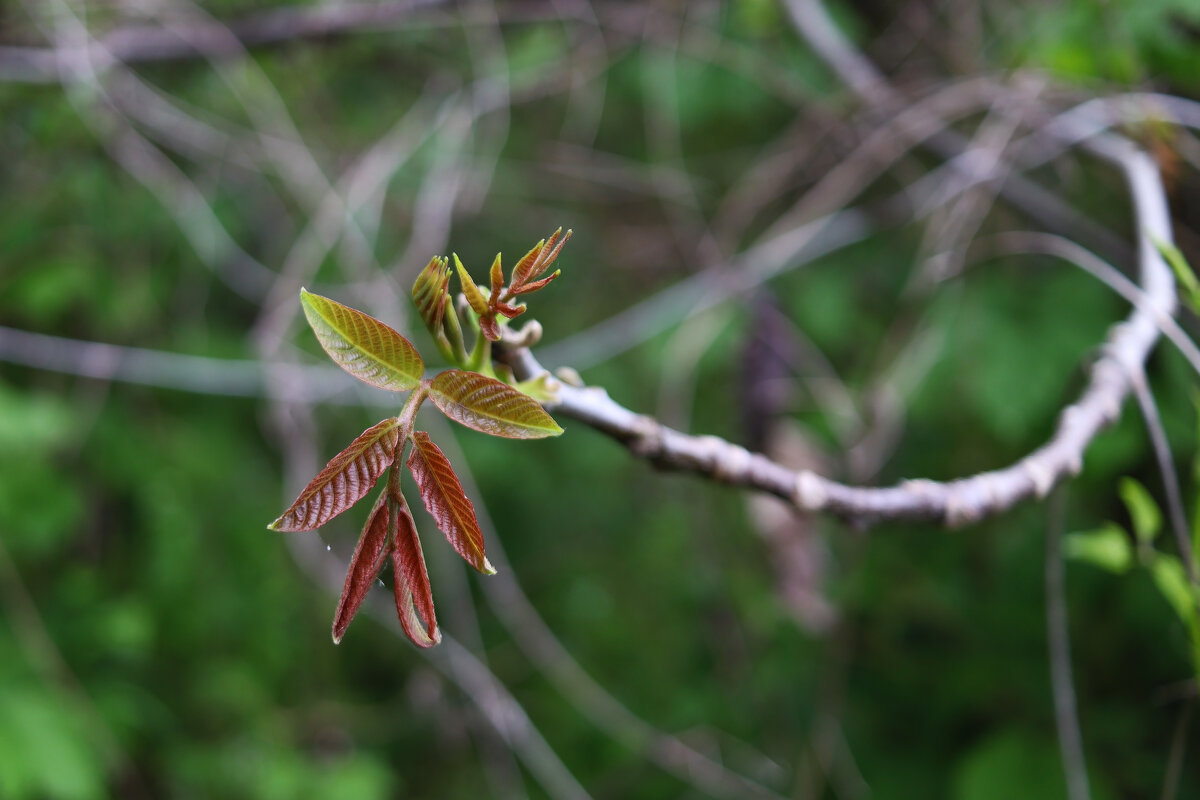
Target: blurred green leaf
1183,273
33,421
1107,548
1172,582
1143,511
43,753
1010,764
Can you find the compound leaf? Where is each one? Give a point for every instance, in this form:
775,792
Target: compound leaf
446,501
490,406
346,478
414,598
364,567
362,345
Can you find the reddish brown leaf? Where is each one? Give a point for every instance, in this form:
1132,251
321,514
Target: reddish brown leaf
527,264
414,598
510,311
490,327
533,287
364,567
446,501
490,406
345,480
538,260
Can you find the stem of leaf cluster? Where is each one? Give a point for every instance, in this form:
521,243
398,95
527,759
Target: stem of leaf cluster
450,322
408,414
444,347
481,356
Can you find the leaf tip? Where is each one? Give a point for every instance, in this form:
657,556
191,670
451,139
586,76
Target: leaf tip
274,525
337,637
488,569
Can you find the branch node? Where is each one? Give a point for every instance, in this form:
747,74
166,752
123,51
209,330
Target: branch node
647,439
809,493
1041,476
570,377
528,336
961,511
730,462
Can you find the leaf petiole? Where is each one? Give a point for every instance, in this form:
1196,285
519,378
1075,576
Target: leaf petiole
408,414
452,330
480,359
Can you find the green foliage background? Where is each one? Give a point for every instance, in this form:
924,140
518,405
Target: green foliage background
156,641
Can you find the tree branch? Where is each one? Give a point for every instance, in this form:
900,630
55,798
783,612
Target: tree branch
956,502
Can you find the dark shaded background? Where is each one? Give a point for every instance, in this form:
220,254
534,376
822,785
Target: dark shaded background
677,637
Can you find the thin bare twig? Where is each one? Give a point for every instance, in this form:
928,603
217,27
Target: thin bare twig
133,44
815,26
1178,752
184,372
1166,470
1066,715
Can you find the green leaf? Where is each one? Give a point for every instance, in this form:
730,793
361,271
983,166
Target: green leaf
1171,580
345,479
475,298
362,345
543,388
446,501
368,559
1183,273
1143,511
490,406
1107,548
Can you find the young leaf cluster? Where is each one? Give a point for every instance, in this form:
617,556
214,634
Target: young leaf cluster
487,308
471,395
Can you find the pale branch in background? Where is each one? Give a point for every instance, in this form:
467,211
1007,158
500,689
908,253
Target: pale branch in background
1066,712
131,44
956,502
